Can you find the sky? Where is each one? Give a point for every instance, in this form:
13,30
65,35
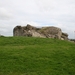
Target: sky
38,13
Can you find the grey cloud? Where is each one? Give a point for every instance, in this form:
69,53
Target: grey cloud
40,13
4,14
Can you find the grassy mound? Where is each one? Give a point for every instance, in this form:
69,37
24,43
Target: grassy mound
36,56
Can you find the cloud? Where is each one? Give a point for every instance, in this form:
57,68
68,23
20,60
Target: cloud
59,13
4,14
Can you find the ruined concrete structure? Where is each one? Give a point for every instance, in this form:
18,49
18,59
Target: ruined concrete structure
44,32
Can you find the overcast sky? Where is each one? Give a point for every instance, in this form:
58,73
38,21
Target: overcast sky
39,13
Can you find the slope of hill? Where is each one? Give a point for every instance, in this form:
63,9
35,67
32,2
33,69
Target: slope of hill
36,56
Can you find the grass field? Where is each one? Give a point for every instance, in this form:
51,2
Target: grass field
36,56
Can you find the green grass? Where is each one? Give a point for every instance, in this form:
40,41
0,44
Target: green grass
36,56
